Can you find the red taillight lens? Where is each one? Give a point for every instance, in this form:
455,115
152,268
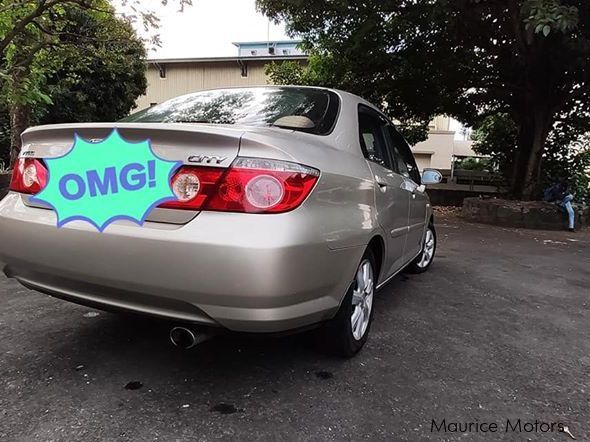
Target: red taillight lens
193,186
28,176
250,185
263,186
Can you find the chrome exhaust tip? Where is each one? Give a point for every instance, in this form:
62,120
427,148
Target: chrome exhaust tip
185,338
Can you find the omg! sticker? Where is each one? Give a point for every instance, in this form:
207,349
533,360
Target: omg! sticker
106,181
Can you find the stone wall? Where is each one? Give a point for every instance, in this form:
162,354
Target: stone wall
523,214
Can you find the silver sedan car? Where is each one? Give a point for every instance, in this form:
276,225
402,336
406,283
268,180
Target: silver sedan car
294,205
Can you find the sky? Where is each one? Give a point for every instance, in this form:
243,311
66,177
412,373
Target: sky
208,28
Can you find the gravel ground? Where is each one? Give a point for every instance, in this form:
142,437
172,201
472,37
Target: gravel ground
498,329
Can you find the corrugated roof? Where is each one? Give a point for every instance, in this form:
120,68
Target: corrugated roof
263,42
222,59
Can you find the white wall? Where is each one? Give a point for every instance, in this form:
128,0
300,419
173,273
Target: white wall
439,145
184,78
464,148
438,150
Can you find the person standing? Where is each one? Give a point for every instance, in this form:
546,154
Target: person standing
560,193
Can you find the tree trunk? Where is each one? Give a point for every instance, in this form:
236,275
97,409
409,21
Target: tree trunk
534,129
20,117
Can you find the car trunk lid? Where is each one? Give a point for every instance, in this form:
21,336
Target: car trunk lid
195,144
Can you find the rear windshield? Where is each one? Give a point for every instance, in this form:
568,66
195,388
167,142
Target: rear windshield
262,106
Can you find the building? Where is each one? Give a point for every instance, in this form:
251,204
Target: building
269,48
441,147
168,78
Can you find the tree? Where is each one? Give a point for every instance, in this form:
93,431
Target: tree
101,80
98,79
465,58
497,137
290,72
325,71
567,153
35,40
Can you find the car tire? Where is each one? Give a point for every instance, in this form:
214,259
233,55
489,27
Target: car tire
424,260
346,333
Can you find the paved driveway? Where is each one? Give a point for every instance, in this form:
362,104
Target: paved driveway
498,329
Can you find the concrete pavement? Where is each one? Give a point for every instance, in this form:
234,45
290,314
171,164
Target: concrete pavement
498,329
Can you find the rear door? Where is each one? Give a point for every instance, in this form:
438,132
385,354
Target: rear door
391,200
407,167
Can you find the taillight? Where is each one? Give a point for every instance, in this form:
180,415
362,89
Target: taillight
28,176
192,186
250,185
256,185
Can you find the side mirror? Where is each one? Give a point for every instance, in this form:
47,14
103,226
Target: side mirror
431,176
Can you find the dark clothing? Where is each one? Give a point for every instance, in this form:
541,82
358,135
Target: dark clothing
557,192
561,194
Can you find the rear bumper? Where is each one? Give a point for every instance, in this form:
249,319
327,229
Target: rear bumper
253,273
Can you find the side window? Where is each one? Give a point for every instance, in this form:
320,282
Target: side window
403,157
372,139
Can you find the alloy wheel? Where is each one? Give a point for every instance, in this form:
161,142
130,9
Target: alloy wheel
362,299
427,250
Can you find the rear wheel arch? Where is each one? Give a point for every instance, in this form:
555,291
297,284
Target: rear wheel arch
420,264
338,335
377,246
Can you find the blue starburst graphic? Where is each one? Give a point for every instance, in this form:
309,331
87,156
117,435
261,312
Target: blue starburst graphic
106,181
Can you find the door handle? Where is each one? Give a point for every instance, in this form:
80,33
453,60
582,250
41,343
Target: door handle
420,189
382,184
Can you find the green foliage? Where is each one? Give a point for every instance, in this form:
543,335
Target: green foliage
496,136
546,15
477,164
52,51
94,71
567,153
62,38
574,164
287,72
101,77
465,58
325,71
26,51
